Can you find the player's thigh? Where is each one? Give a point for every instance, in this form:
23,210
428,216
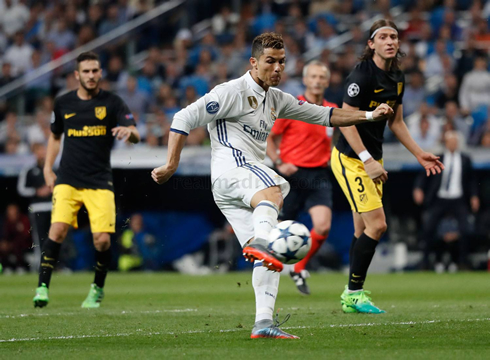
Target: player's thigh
101,210
67,201
363,194
240,219
239,186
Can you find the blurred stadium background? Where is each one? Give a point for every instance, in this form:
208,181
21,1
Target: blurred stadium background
160,56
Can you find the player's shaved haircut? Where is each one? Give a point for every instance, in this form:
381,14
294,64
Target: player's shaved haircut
268,40
89,55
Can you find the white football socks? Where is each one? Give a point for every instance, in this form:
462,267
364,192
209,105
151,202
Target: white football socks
264,281
266,286
265,218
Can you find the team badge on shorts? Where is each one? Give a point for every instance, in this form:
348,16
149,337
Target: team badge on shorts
273,114
100,112
252,100
399,87
363,198
353,90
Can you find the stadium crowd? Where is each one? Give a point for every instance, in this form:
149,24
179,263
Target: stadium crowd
446,65
446,45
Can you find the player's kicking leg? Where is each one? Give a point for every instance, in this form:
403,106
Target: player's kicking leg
49,257
369,227
102,243
266,204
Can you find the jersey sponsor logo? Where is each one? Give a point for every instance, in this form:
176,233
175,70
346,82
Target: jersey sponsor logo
378,90
100,112
374,104
53,117
88,131
212,107
399,87
252,100
256,134
273,114
353,90
67,116
301,102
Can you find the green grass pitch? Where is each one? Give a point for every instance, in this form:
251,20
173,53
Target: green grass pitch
172,316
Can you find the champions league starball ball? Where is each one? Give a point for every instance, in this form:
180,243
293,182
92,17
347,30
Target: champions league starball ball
289,241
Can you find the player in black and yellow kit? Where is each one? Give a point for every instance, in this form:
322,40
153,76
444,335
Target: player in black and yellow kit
357,159
89,118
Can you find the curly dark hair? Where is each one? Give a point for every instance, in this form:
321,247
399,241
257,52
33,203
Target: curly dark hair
268,40
368,52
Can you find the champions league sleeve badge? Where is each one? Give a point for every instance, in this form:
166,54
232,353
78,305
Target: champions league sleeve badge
353,90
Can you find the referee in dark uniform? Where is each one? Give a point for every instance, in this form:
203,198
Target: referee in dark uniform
89,118
357,159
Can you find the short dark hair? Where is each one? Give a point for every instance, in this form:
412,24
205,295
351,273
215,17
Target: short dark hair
268,40
89,55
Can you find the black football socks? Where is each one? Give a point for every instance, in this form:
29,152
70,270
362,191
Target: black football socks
103,261
351,249
49,257
362,254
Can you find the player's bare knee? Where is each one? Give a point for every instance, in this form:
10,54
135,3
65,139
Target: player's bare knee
379,228
102,241
58,232
322,229
276,197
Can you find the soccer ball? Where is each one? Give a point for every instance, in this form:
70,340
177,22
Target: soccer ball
289,241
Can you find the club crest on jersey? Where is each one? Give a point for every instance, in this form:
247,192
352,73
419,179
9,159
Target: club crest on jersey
100,112
212,107
252,100
301,102
353,90
273,114
399,87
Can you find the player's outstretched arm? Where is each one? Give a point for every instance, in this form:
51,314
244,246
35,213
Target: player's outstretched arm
430,162
343,117
54,144
176,143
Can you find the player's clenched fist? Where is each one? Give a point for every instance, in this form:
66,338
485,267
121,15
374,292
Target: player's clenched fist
382,112
162,174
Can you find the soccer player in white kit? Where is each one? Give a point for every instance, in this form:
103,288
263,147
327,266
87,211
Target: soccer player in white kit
239,115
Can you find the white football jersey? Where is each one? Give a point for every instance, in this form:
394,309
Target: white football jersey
240,115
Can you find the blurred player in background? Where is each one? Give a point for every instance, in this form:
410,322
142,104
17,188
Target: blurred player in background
240,115
90,119
31,185
301,152
357,159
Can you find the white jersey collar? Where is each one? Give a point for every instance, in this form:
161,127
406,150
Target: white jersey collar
255,87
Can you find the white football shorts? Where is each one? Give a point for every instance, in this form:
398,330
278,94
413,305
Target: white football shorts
233,191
